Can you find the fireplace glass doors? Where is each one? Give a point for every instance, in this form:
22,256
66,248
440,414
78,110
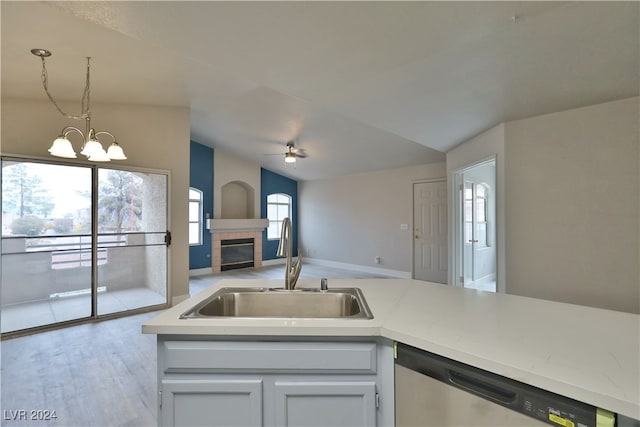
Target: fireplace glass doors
237,253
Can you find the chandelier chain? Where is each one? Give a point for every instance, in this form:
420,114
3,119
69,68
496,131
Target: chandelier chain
86,94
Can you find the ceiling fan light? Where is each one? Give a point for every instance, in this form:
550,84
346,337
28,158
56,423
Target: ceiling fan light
115,152
289,158
61,147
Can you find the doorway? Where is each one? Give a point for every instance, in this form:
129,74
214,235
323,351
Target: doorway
475,226
430,231
80,242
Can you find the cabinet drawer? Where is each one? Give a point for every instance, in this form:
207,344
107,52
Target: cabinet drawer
281,357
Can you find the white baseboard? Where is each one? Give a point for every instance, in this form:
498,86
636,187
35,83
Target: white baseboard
200,272
363,268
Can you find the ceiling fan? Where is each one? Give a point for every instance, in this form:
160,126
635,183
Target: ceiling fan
292,153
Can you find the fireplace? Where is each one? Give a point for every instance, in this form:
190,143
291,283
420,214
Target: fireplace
236,253
239,232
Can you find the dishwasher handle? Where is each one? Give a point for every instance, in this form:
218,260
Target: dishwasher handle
481,388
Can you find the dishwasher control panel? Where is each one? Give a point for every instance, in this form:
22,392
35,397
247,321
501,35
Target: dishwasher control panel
549,409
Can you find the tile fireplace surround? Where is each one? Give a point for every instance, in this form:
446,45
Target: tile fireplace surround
236,229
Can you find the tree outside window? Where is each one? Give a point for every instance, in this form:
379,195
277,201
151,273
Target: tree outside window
25,199
119,201
278,208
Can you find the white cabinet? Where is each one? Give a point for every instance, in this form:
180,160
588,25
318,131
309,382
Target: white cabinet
208,402
280,383
335,403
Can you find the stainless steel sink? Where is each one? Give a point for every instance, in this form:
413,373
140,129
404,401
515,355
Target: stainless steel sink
348,303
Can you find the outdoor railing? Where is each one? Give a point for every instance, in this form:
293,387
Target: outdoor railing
67,250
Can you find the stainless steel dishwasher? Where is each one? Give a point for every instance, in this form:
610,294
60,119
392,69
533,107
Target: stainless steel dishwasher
435,391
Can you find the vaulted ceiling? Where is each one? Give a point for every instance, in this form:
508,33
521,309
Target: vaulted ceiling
359,85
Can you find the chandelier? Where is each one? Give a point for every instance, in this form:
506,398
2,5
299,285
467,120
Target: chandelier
92,148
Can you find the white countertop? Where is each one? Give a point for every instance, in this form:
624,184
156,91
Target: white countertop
588,354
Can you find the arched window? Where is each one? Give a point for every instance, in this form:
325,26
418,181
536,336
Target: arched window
278,208
195,216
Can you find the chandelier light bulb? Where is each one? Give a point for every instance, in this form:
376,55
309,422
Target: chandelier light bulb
61,147
91,147
115,152
99,156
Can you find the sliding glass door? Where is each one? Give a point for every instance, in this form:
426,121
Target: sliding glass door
79,242
46,244
132,224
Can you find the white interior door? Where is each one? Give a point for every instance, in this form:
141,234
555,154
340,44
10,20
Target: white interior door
430,231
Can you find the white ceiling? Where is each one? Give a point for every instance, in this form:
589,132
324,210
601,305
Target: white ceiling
359,85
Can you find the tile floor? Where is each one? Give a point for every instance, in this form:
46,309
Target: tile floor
309,271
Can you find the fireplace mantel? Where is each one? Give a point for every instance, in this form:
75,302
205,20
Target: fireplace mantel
226,225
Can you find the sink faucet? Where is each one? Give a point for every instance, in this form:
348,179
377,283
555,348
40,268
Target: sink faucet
292,271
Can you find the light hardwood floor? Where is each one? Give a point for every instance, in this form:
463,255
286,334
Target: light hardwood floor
100,374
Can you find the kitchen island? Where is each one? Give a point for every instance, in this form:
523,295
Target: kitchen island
588,354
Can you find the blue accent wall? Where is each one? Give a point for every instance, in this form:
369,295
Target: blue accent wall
201,177
271,182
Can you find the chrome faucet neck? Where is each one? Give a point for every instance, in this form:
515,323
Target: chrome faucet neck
292,268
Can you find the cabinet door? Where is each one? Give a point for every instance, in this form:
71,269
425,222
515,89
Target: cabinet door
211,403
325,403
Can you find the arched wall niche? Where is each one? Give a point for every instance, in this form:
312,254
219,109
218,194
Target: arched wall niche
238,200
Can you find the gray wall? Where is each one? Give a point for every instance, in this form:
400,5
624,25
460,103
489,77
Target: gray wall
352,219
572,206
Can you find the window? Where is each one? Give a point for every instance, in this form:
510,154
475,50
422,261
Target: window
481,214
195,216
476,214
278,208
468,212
